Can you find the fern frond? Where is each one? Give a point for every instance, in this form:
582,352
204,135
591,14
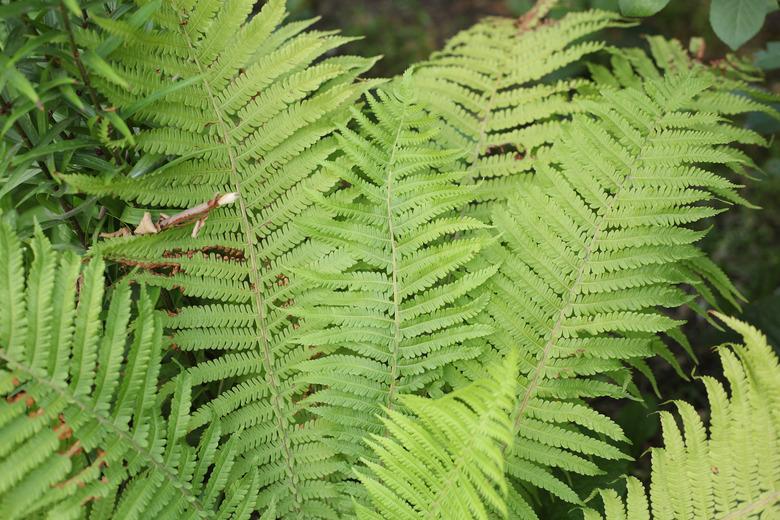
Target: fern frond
444,459
258,103
80,421
492,88
401,309
734,472
593,248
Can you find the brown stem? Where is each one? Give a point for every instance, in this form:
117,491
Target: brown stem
531,18
196,212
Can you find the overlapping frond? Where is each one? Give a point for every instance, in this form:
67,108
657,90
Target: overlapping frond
402,309
594,247
445,458
80,419
234,102
495,90
732,471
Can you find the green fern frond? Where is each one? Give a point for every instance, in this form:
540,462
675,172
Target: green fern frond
594,247
402,309
444,459
254,116
734,472
80,420
491,87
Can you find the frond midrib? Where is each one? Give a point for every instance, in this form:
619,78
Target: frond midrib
394,266
254,272
758,505
108,425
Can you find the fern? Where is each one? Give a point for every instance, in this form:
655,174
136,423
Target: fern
734,472
593,248
446,460
252,118
80,422
349,273
401,310
492,88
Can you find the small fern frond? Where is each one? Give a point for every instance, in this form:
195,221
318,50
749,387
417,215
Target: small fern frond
444,458
734,472
253,116
80,421
401,309
594,247
491,88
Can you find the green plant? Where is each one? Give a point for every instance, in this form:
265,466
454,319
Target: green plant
734,471
734,21
490,86
445,457
401,309
82,420
358,297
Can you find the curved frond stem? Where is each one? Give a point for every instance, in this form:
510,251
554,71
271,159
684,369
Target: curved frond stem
395,349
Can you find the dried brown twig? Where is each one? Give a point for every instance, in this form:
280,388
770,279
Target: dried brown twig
198,214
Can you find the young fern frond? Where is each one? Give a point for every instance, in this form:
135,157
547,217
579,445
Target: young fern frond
445,458
253,117
401,310
594,247
80,420
734,472
491,88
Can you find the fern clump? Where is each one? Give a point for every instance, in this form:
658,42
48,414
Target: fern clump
348,297
734,472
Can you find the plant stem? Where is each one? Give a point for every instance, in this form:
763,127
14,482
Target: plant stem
532,17
74,50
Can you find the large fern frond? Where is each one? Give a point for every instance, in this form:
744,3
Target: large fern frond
252,117
494,89
594,247
80,419
445,460
402,309
734,472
